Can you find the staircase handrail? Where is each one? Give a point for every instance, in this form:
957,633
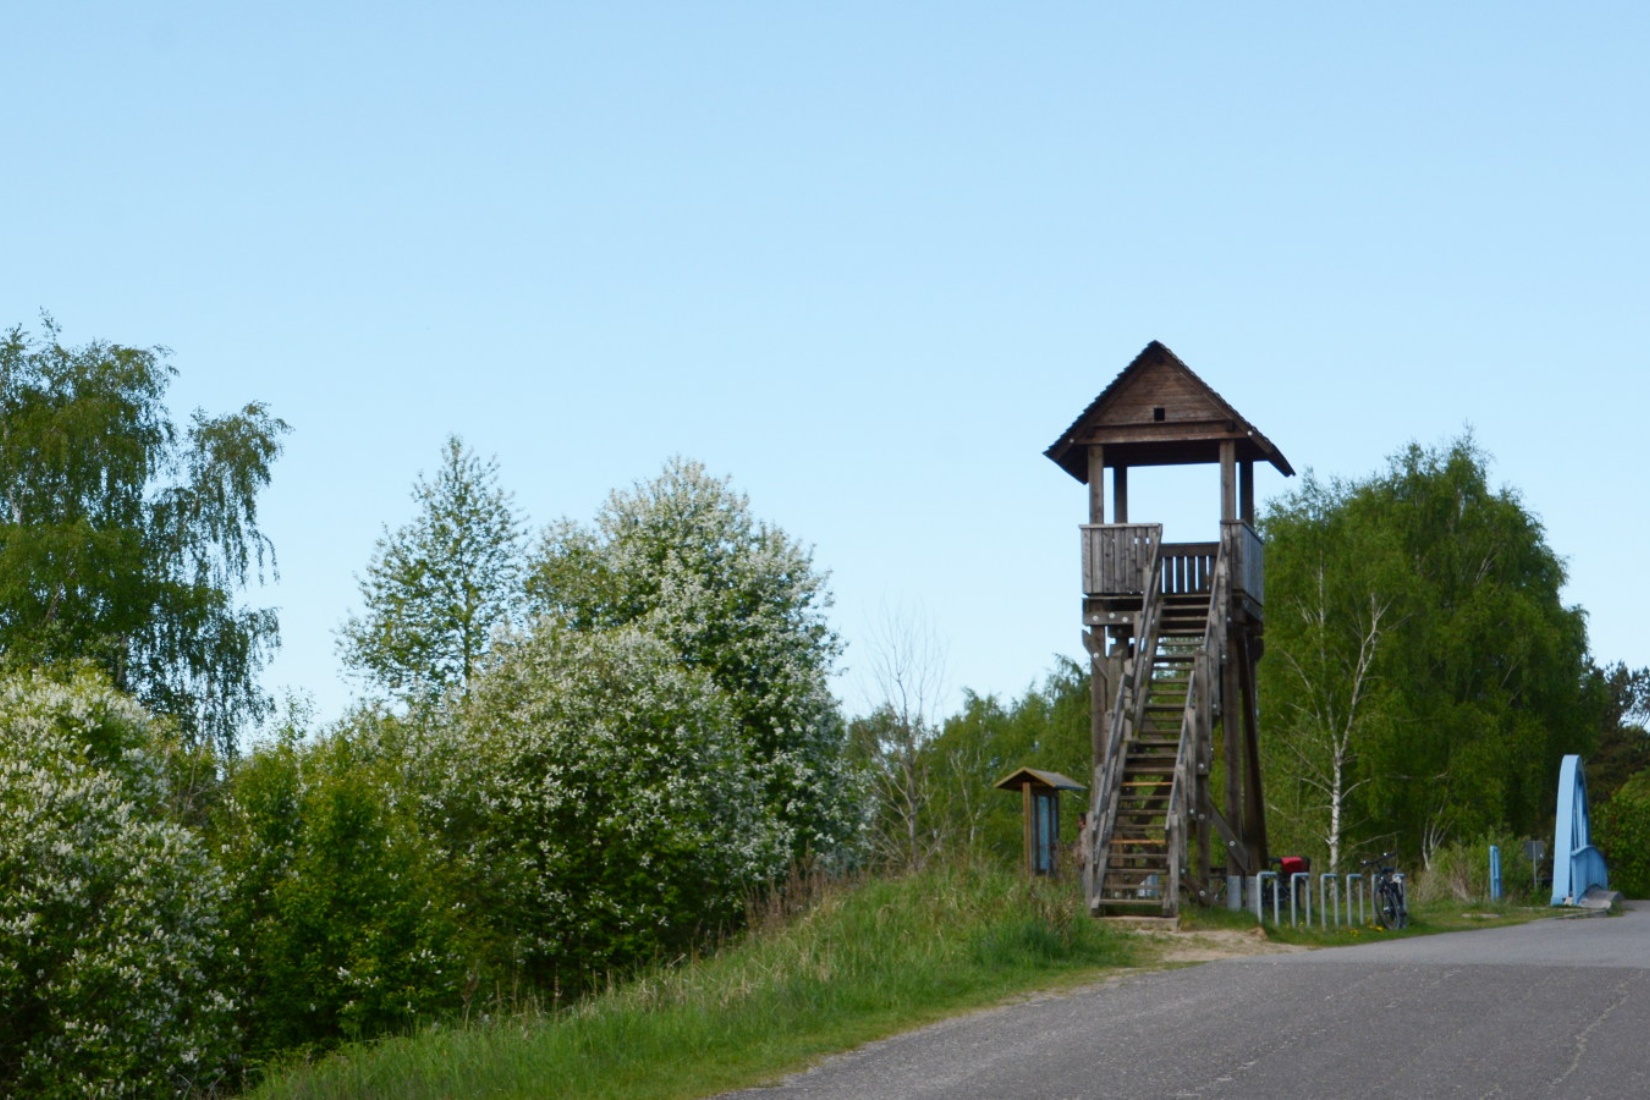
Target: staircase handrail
1201,680
1108,781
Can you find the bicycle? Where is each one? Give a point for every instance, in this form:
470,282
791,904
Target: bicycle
1278,892
1386,890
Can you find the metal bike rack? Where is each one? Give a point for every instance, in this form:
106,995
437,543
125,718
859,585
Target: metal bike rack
1363,917
1260,893
1334,896
1294,881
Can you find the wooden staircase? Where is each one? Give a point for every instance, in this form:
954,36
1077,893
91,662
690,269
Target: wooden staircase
1136,868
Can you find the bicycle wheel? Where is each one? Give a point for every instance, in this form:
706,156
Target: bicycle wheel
1389,907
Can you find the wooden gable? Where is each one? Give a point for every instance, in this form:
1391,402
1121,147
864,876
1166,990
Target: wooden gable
1036,778
1158,412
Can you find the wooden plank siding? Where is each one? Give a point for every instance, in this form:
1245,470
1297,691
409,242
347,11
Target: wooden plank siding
1181,396
1116,557
1248,555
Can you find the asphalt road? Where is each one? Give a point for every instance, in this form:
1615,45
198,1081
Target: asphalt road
1556,1008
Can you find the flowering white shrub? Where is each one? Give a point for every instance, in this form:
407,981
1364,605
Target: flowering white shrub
681,558
109,930
604,799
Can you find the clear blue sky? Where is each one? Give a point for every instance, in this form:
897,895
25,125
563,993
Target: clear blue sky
867,258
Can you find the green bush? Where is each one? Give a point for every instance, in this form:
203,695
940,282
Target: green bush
603,801
347,924
109,913
1460,871
1622,828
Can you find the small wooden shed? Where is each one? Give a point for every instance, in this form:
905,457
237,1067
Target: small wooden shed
1040,791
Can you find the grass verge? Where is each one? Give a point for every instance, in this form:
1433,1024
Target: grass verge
862,963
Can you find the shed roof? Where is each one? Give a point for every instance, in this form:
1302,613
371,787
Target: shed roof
1038,779
1158,412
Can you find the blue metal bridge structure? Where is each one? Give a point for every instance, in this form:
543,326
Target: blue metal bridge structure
1577,865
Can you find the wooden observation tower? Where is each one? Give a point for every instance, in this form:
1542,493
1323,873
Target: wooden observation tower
1174,631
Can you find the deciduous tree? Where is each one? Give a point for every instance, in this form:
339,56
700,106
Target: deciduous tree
1332,591
1414,620
907,665
126,541
1623,744
438,588
682,559
1047,727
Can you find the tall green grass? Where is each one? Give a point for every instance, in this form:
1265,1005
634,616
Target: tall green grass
855,964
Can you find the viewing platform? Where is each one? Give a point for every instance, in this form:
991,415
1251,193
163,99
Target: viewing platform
1118,557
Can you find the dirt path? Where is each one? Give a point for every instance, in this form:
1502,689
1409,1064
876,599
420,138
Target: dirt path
1212,944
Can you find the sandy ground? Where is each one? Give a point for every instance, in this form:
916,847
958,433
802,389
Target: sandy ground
1207,946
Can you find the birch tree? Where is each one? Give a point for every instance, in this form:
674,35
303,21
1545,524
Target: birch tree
127,540
439,587
1331,710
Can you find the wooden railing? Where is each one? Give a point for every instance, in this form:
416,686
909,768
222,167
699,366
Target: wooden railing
1189,567
1115,557
1248,555
1118,557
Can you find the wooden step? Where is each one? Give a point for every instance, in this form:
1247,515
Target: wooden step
1130,884
1132,895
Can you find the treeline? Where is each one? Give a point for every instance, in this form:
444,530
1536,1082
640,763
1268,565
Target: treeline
603,784
572,757
1423,677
